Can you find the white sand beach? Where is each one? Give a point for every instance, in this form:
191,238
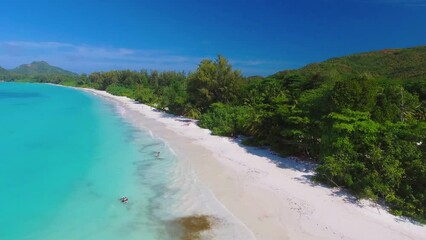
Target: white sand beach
271,196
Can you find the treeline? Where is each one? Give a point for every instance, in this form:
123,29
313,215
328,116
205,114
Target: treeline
366,132
40,77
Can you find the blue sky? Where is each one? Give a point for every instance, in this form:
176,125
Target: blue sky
259,37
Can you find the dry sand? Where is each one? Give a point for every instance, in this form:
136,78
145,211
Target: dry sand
271,196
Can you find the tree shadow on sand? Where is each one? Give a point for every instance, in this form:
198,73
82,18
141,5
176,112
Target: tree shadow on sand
292,163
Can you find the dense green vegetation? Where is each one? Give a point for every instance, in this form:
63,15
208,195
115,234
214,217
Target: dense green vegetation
362,118
3,72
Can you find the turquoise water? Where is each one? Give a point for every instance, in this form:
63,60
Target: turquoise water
66,157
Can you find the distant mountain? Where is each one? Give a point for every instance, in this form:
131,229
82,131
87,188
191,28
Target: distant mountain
40,68
4,74
2,70
396,64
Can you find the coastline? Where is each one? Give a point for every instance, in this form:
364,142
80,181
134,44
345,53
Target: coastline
271,196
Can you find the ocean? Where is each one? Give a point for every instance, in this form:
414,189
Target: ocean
67,157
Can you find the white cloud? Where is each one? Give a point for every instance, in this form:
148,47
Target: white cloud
46,45
87,58
247,62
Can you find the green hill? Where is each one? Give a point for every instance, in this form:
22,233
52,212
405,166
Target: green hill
398,64
4,74
3,71
406,66
40,68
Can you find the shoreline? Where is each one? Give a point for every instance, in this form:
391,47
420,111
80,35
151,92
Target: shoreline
270,195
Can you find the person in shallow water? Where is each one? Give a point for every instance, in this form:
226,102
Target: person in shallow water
124,199
157,154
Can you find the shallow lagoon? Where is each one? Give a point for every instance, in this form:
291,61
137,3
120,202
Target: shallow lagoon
67,157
